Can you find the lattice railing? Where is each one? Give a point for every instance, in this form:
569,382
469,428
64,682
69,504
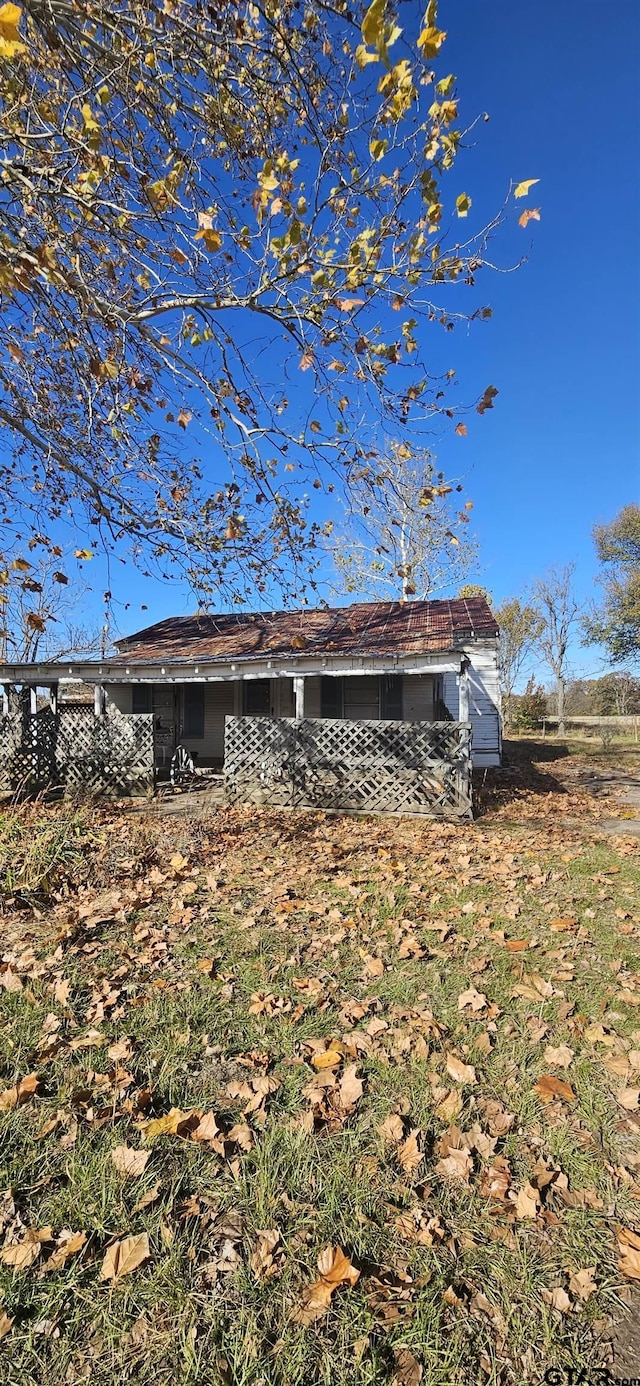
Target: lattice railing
112,754
381,767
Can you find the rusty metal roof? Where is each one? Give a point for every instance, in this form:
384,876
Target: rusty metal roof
368,628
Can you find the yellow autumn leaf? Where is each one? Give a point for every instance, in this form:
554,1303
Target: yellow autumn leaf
463,203
378,148
10,41
430,41
373,23
521,189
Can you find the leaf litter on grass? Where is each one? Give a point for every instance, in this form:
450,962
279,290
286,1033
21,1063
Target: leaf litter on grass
370,1059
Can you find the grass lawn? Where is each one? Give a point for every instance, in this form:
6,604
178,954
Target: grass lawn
294,1099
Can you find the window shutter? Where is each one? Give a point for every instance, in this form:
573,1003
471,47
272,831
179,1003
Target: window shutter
256,697
194,711
331,698
140,698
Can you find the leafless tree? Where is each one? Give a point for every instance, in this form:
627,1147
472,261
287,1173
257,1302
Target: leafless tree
559,612
520,627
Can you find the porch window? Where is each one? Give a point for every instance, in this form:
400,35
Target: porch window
391,697
331,696
256,697
193,719
362,698
141,697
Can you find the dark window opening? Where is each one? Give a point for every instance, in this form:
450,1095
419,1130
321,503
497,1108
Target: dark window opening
256,697
140,698
193,720
391,697
331,697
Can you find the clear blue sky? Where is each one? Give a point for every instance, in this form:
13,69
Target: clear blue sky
561,448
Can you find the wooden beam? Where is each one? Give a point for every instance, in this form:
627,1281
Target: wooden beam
98,700
298,690
463,694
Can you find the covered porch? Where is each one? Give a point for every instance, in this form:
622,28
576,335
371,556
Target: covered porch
189,703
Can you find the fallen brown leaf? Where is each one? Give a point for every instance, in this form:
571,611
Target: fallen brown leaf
5,1324
262,1260
629,1249
128,1161
125,1256
629,1098
68,1244
460,1072
548,1088
527,1202
335,1269
409,1154
21,1092
558,1058
408,1371
392,1129
582,1282
22,1254
350,1089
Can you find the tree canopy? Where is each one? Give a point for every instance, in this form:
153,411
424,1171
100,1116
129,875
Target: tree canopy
616,624
221,230
402,537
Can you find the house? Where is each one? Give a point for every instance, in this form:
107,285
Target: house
422,661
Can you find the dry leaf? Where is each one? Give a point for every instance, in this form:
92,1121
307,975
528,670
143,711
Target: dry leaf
629,1249
125,1256
527,1202
68,1244
350,1089
558,1058
629,1098
171,1124
262,1261
582,1282
408,1371
450,1106
392,1129
456,1165
335,1269
150,1197
409,1153
548,1088
128,1161
472,999
23,1254
21,1092
461,1073
5,1324
328,1058
558,1299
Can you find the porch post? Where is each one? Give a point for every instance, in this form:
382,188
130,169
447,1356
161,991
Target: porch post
463,692
298,689
53,697
98,700
33,700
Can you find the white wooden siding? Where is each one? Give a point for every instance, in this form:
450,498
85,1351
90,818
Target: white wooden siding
484,703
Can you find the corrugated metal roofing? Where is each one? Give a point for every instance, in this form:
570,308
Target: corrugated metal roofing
368,628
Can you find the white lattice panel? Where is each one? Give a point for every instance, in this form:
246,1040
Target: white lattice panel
382,767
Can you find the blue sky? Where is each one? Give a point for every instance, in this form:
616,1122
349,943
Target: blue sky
561,448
